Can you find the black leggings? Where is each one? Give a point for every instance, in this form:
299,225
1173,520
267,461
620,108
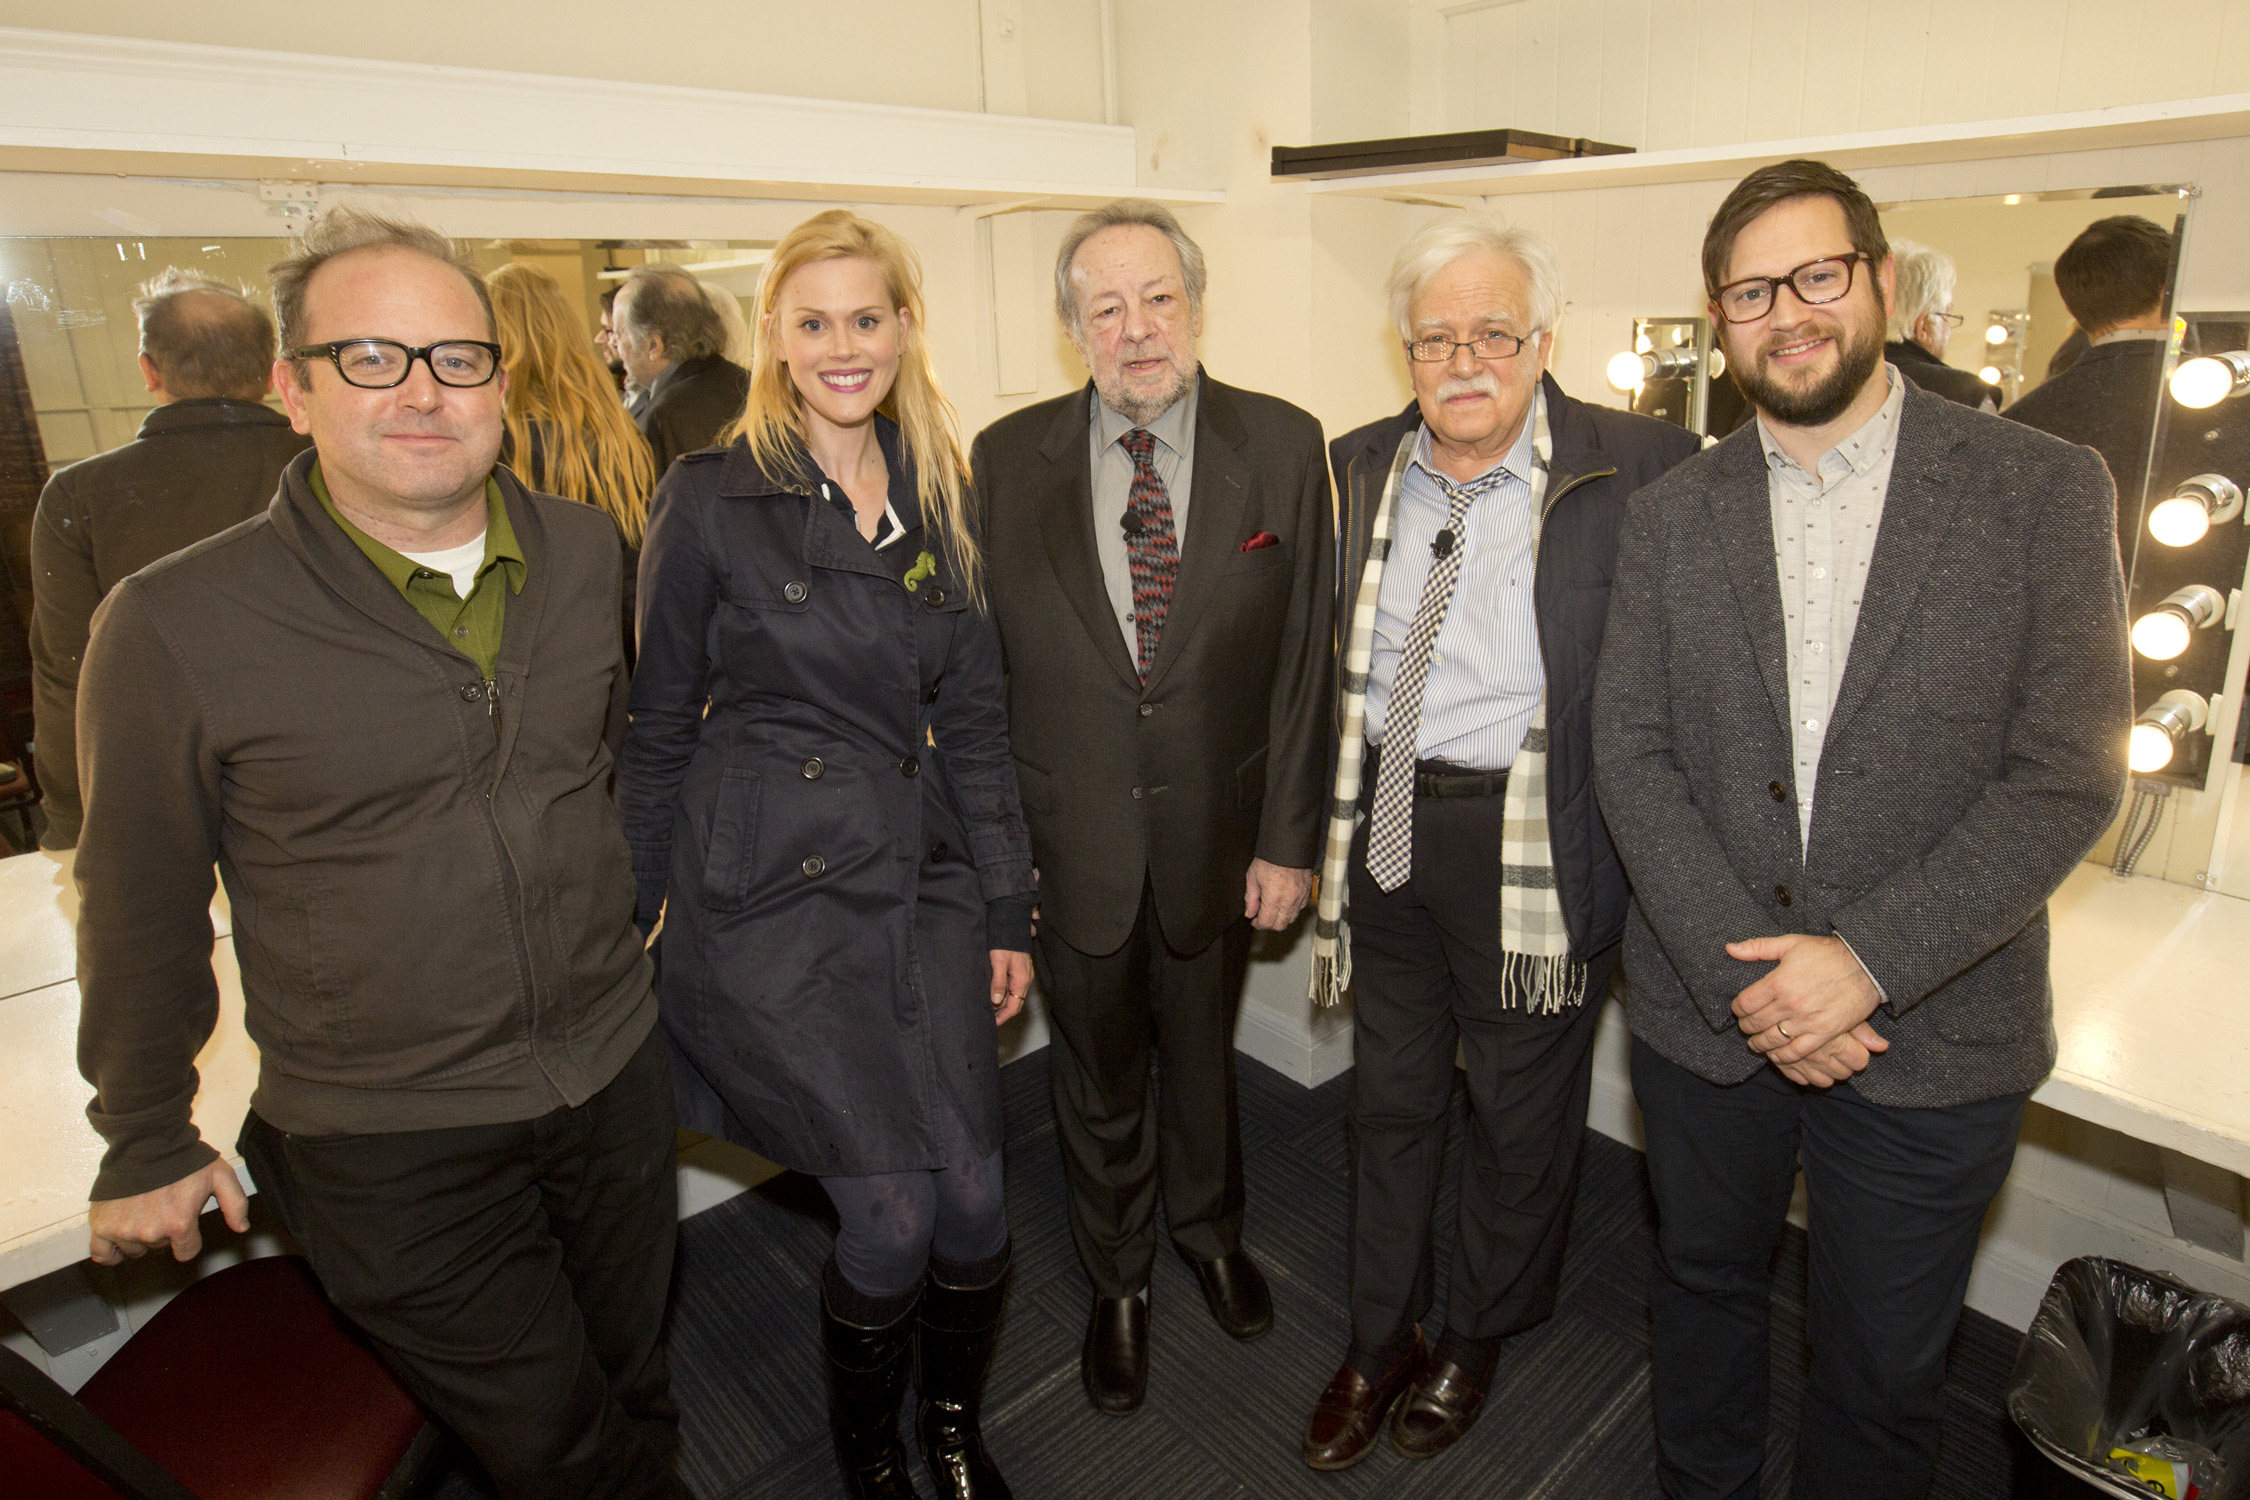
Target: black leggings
893,1222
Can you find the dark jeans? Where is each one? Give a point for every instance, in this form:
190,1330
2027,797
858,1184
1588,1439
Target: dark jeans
1121,1130
1427,975
1895,1199
513,1275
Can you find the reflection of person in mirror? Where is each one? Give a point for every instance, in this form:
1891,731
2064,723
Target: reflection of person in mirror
1863,704
674,346
1922,323
386,709
207,457
2113,277
818,715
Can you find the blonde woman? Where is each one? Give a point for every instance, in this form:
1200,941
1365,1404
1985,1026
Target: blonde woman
821,803
564,432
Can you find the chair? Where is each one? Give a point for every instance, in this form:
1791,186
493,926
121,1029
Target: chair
246,1386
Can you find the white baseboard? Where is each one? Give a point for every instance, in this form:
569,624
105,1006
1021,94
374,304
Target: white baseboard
1308,1050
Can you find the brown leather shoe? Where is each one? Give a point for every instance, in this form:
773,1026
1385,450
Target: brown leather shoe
1444,1404
1349,1414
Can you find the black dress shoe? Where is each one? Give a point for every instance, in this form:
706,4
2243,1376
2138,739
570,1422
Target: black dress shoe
1349,1415
1114,1362
1442,1406
1236,1293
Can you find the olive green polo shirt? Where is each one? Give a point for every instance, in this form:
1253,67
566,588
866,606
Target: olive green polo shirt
471,625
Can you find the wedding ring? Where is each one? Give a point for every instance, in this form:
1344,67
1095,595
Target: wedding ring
1783,1030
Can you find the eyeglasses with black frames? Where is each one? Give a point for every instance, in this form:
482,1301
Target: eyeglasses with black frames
379,364
1486,346
1828,279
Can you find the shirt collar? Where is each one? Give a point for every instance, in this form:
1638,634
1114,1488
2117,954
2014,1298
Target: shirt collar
1172,428
2127,335
1517,460
1860,452
500,545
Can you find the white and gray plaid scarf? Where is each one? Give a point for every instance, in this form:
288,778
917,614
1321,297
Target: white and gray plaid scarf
1533,934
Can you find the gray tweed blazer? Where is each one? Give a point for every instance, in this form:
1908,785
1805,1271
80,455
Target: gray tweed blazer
1975,752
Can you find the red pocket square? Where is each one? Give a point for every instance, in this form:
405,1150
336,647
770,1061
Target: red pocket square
1262,539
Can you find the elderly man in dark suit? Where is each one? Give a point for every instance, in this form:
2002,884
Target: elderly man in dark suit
1479,527
672,343
1863,703
1158,558
1922,324
208,456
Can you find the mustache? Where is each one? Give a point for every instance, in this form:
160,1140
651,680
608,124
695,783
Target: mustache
1483,383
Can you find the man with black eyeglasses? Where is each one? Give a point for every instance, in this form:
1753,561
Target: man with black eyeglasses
1862,705
386,709
1469,896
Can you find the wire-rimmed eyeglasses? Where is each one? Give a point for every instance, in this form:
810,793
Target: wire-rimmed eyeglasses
1484,346
1828,279
379,364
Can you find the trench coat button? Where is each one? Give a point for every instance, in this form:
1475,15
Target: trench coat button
1147,709
937,854
936,598
1781,894
812,768
1780,792
471,691
793,591
910,767
814,867
1136,794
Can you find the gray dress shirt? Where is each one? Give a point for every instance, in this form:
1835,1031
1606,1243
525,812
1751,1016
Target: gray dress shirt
1824,530
1485,672
1112,469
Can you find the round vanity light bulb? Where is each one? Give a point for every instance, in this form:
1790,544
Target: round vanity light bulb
2149,750
2209,379
1627,370
2162,634
2181,521
1990,374
1996,333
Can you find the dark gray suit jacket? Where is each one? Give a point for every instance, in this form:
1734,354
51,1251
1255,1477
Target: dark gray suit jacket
1975,752
1173,785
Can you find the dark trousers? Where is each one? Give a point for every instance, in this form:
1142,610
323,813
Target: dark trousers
1123,1131
514,1276
1895,1199
1427,978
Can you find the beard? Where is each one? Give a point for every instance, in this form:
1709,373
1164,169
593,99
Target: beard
1141,407
1859,349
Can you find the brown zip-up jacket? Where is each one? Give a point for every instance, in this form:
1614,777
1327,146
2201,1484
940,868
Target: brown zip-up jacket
433,902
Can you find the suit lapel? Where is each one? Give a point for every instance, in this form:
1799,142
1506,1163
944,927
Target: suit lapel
1917,512
1217,496
1066,516
1742,525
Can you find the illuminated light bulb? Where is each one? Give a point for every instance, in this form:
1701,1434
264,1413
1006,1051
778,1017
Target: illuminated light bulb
2164,632
2150,750
2211,378
2192,509
1627,371
1990,374
1642,344
2162,725
1996,333
2012,199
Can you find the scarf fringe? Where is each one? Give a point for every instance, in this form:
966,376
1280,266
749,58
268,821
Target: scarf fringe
1332,968
1548,985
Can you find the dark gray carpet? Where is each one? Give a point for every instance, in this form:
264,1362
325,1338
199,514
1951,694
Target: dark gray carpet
1569,1414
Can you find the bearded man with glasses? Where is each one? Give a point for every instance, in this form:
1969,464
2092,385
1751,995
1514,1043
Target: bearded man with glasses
1470,897
386,709
1862,704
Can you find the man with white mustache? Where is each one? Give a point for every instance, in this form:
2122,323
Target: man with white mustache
1484,903
1863,704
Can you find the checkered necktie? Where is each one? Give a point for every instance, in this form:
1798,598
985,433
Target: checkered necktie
1390,833
1152,551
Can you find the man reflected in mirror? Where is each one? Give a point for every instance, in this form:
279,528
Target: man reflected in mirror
1922,325
673,345
207,457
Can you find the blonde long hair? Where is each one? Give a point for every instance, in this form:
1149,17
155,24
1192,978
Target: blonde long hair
587,448
773,419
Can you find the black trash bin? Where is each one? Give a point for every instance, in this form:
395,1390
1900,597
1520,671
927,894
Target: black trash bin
2119,1354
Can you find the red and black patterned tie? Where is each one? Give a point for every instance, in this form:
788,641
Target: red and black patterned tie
1152,550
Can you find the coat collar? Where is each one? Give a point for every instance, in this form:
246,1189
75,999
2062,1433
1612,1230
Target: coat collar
1577,457
216,411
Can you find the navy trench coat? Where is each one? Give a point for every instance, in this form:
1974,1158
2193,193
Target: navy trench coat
818,793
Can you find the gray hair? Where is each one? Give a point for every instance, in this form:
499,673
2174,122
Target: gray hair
1446,239
1123,213
1925,285
205,338
347,228
670,304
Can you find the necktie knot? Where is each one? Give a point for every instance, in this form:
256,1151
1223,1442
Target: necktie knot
1140,444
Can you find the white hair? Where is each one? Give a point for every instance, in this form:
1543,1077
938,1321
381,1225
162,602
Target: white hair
1925,285
1444,240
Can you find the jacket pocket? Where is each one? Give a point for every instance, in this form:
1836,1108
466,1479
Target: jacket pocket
733,845
1250,780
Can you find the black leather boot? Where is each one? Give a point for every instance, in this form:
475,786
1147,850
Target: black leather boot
960,1326
866,1383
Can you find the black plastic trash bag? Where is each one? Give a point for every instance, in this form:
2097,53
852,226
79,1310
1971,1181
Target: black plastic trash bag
2119,1354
